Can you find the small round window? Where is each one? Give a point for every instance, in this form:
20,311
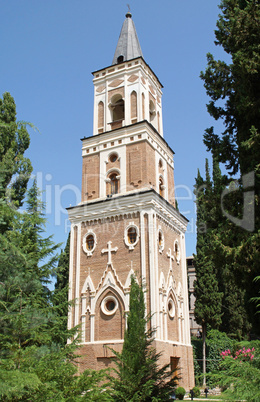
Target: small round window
131,236
89,243
109,305
171,308
160,240
113,158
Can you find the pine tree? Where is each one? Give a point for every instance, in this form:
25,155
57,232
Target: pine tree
36,362
234,91
60,294
15,168
139,377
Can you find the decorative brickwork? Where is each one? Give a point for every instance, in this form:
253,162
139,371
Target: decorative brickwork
127,225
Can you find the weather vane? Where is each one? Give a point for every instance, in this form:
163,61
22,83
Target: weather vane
128,8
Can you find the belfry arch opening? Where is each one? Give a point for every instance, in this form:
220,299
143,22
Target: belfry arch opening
161,186
120,59
117,107
152,112
113,183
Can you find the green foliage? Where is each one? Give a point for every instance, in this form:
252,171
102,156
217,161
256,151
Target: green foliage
15,168
180,393
36,363
206,287
234,99
241,379
139,377
197,359
239,374
60,294
217,342
196,391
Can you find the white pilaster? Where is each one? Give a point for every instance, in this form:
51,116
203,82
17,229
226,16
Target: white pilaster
187,339
83,318
72,236
77,279
143,257
152,270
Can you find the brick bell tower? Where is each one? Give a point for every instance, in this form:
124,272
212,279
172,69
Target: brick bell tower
126,222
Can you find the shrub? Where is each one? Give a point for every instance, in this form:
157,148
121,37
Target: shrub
196,391
180,392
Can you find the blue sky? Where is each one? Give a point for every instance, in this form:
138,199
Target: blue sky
48,50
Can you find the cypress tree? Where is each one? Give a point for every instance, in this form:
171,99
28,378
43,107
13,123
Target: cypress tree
206,287
233,89
139,377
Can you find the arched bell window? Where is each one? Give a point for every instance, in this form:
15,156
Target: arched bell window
117,107
161,187
152,111
114,183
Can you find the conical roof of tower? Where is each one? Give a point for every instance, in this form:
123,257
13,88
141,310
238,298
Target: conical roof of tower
128,46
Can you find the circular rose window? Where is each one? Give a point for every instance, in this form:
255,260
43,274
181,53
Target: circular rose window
109,305
113,158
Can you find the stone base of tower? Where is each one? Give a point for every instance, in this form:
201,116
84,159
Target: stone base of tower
180,358
100,356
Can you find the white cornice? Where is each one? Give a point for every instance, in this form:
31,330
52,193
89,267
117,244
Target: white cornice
141,131
127,205
126,67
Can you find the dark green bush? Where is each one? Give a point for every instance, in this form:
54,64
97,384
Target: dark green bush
180,392
196,391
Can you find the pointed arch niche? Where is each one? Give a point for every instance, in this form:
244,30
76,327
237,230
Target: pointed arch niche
172,316
133,102
109,316
101,117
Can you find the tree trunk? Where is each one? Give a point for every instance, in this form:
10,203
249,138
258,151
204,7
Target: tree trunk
204,352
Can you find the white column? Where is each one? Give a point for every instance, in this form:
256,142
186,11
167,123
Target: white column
127,103
92,317
156,270
165,319
186,339
143,258
83,318
107,111
72,236
77,279
152,271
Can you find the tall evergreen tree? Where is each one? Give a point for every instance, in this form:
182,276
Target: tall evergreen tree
36,363
60,294
15,168
206,287
139,377
234,91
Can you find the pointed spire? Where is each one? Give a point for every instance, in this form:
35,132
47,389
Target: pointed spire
128,46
